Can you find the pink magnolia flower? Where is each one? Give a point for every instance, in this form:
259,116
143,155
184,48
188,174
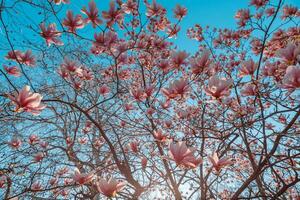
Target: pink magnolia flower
93,14
258,3
282,119
290,11
43,144
154,9
218,87
36,186
14,70
178,59
33,139
113,15
172,30
98,143
270,11
27,101
14,55
198,64
64,193
103,90
217,163
243,16
179,12
290,54
149,90
128,107
57,2
138,94
82,178
73,22
24,58
50,34
53,181
130,7
248,68
159,136
62,171
15,143
164,65
70,66
270,69
183,156
144,162
38,157
27,58
82,140
249,90
3,180
177,88
291,79
134,146
111,187
84,73
166,104
109,39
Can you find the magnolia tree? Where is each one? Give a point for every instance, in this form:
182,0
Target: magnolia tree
102,104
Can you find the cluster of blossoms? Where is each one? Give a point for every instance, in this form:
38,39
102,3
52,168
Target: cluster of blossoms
129,114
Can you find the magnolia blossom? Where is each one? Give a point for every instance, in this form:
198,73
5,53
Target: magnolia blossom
73,22
25,58
57,2
14,70
258,3
154,9
82,178
113,15
2,181
243,15
218,87
138,94
177,88
290,11
84,73
166,104
134,146
291,79
92,14
217,163
38,157
130,7
198,64
50,34
27,101
144,162
290,54
159,136
14,55
178,59
128,107
179,12
249,90
248,68
36,186
15,143
183,156
43,144
33,139
111,187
